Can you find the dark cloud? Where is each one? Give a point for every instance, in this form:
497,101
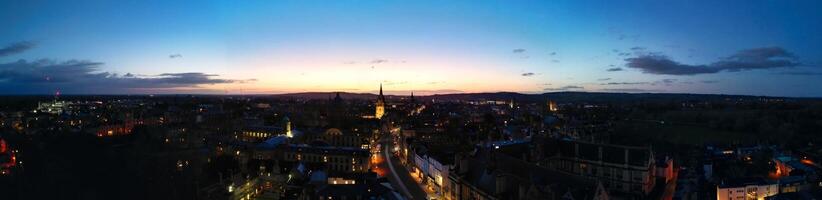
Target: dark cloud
637,48
659,64
759,58
528,74
552,53
518,51
16,48
189,78
172,56
625,83
709,81
555,61
802,73
750,59
77,76
615,69
378,61
568,87
604,79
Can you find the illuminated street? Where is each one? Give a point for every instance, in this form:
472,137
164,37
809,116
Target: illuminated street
400,178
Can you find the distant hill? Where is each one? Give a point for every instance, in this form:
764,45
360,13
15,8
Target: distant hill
555,96
326,95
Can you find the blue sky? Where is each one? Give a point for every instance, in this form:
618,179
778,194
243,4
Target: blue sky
228,47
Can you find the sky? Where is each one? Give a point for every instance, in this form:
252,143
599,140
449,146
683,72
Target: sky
771,48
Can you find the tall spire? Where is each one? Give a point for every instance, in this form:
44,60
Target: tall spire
381,97
380,106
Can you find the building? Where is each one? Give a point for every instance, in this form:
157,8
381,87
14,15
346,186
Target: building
255,134
624,169
380,106
486,175
433,168
340,159
552,106
746,188
54,107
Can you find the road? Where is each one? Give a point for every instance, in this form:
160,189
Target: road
399,175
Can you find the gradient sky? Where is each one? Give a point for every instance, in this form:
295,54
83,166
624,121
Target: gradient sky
248,47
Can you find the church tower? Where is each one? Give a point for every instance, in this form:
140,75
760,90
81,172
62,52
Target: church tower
288,131
380,107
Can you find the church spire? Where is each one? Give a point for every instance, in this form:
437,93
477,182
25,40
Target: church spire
380,106
381,97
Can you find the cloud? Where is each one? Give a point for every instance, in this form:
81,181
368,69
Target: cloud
350,62
750,59
395,82
518,51
604,79
378,61
528,74
668,80
615,69
84,77
173,56
555,61
758,58
802,73
568,87
15,48
637,48
552,54
625,36
709,81
625,83
627,90
659,64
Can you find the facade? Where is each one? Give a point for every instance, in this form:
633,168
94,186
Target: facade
434,171
624,169
484,174
257,134
336,159
747,188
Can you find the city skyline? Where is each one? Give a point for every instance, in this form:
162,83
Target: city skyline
732,47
